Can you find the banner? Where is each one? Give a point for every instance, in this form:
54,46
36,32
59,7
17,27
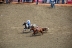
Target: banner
69,1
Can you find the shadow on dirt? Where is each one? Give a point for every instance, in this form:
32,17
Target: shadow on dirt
33,35
50,7
36,35
24,32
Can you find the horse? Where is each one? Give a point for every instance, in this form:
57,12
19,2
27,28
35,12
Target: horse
26,26
36,30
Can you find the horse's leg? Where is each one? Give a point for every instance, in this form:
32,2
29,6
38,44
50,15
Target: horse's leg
30,30
24,29
34,32
41,32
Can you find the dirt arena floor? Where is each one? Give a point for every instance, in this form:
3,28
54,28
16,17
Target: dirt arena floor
58,19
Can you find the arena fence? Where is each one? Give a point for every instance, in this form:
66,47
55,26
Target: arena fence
39,1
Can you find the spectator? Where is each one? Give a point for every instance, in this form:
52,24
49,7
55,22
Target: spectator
52,4
23,1
55,1
18,1
36,2
62,1
44,1
7,1
58,1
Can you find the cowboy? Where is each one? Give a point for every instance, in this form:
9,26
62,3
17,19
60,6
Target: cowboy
28,23
18,1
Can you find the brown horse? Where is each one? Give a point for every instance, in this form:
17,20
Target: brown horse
36,30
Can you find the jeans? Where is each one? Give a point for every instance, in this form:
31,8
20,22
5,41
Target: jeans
52,4
28,25
62,1
58,1
44,1
36,2
23,0
6,1
55,1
